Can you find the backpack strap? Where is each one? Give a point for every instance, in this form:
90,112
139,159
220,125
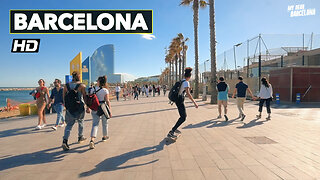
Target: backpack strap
77,86
68,86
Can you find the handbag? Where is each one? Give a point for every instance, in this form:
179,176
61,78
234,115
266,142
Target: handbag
103,109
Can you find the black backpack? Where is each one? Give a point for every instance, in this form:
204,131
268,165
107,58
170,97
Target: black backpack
72,100
174,92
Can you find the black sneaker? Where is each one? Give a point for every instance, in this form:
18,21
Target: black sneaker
81,139
105,138
65,145
226,117
243,116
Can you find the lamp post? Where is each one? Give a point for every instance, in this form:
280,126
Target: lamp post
204,94
234,55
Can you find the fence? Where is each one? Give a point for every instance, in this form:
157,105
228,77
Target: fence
255,57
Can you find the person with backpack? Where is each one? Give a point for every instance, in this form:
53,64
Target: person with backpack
241,90
177,95
223,90
265,95
74,96
57,99
102,93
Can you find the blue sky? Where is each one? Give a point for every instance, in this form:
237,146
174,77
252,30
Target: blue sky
236,21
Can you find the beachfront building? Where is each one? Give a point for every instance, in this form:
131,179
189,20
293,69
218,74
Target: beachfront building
100,63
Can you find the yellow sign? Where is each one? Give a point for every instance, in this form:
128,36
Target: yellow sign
75,65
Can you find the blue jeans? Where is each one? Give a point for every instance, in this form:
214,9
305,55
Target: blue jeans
117,95
59,109
70,120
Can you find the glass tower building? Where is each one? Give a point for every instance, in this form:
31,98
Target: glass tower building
102,62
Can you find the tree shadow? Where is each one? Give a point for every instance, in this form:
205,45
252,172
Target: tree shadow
252,123
114,163
39,157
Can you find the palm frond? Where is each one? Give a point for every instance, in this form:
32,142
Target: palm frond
203,4
185,2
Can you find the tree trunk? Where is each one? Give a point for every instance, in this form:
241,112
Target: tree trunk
176,63
196,61
170,77
180,68
213,53
183,62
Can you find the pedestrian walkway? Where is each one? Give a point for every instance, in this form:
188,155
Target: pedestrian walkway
286,147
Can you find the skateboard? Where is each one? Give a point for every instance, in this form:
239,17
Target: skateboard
170,139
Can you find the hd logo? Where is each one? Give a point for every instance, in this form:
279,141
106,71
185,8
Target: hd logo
25,45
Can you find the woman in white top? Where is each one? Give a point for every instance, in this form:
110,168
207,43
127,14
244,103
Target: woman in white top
265,95
102,94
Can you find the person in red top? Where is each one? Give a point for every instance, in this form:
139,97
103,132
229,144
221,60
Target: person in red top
42,94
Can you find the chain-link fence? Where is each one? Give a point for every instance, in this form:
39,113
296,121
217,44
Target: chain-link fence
255,57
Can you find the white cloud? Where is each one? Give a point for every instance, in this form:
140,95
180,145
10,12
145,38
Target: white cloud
148,36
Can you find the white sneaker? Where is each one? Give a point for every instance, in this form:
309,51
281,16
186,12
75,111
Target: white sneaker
61,125
54,128
38,127
44,125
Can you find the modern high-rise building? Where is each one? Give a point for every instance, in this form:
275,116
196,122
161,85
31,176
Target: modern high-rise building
99,64
102,62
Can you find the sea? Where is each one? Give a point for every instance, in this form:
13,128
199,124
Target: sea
21,96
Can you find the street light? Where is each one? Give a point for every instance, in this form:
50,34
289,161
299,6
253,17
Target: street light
204,94
234,55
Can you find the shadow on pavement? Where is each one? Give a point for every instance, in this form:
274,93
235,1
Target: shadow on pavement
223,123
40,157
25,130
200,124
117,105
154,111
114,163
252,123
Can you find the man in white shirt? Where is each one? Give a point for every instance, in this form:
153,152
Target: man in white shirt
118,90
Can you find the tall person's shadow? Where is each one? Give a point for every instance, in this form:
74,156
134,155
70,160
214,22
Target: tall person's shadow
114,163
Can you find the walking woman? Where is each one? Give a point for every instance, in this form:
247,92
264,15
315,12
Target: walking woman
184,89
265,95
103,96
42,94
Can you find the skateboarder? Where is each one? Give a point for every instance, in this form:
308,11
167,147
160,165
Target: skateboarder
184,89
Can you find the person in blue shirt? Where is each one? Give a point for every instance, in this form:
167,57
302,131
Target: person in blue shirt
57,101
241,90
223,90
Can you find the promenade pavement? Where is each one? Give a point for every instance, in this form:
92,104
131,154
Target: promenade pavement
286,147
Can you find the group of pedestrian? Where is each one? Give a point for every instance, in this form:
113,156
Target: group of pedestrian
73,96
241,89
240,92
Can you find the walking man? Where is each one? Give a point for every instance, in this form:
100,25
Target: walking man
57,100
118,90
74,96
241,89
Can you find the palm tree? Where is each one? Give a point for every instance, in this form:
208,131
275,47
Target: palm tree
213,53
195,7
184,48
